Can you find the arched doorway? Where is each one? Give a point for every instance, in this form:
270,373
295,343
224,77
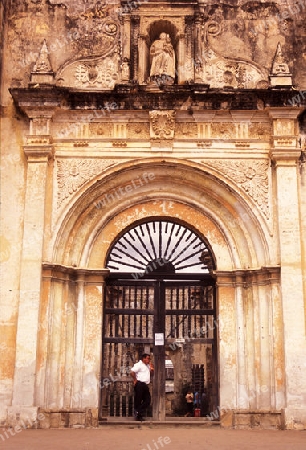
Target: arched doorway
160,299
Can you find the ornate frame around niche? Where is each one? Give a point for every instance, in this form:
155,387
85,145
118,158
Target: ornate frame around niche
146,29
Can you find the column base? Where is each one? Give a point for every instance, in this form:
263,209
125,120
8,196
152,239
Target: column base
22,417
246,419
294,419
69,418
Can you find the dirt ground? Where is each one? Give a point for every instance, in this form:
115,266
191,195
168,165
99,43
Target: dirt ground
144,438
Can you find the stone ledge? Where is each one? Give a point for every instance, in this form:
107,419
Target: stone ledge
246,419
69,418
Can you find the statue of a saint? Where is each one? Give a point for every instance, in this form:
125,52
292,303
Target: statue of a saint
162,57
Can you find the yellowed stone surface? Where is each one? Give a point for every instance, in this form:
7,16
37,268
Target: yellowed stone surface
92,145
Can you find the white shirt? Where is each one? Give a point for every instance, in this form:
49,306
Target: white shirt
142,371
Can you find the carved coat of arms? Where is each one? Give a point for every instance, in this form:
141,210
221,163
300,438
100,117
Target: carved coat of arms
162,124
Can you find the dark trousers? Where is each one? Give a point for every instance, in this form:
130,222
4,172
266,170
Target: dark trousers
142,397
190,408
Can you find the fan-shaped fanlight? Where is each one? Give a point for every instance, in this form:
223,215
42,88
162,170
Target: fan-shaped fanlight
160,246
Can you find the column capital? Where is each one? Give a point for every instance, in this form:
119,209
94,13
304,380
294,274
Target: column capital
285,156
284,112
41,152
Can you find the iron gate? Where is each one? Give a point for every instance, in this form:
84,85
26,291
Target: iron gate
185,313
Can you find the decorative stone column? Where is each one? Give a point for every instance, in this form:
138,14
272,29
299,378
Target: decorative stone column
185,65
126,48
198,44
227,329
285,155
242,384
38,152
70,364
134,50
142,56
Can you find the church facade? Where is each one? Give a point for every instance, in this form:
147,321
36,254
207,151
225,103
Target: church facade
153,200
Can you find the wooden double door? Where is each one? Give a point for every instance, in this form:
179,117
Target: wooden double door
175,321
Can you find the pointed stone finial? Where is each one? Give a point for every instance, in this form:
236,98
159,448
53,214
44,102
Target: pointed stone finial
43,62
42,71
279,66
280,73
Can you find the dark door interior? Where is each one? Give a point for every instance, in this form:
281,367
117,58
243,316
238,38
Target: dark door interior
174,321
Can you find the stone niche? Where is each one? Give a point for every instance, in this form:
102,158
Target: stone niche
196,39
148,29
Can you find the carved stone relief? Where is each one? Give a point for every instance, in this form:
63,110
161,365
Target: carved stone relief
102,129
43,61
97,34
279,65
283,127
99,74
86,30
260,131
162,124
218,72
97,51
251,176
186,130
72,174
223,130
40,126
138,130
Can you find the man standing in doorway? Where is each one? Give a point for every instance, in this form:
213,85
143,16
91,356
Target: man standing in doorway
140,373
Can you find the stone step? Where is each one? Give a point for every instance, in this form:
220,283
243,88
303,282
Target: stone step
171,422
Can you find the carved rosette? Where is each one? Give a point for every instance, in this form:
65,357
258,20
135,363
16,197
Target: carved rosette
138,130
72,174
162,124
260,131
223,130
250,176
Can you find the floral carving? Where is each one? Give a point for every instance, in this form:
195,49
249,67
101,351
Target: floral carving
72,174
251,176
95,61
260,131
97,34
138,130
162,124
223,130
102,129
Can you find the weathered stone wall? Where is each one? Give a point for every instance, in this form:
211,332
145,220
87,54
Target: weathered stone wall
229,161
248,30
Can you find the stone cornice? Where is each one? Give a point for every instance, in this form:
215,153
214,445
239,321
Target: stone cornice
244,277
286,112
67,273
195,97
285,156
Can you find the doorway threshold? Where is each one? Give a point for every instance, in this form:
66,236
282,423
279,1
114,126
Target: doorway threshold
169,422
